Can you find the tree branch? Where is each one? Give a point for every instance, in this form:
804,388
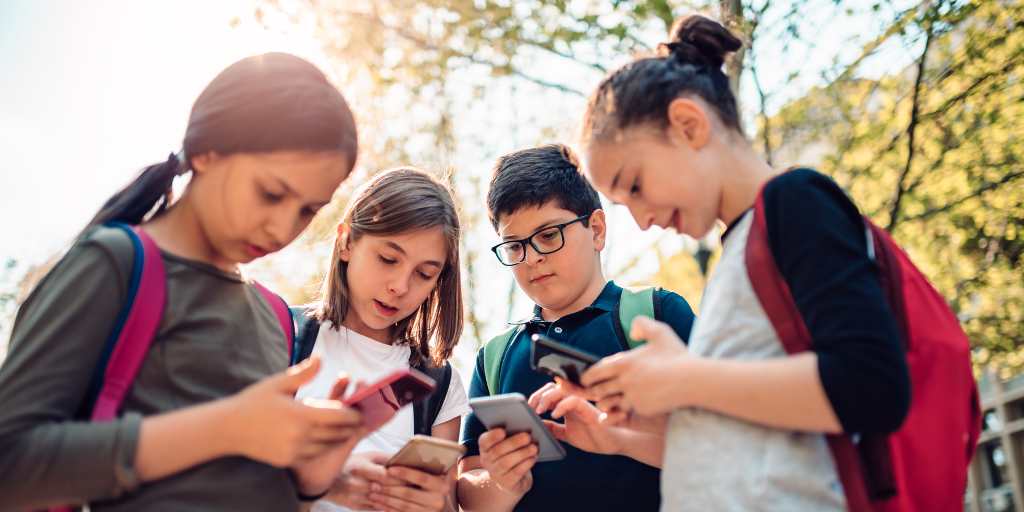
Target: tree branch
911,128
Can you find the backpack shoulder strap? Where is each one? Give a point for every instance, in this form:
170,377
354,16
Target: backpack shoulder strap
306,330
777,301
494,352
284,317
134,329
425,412
634,303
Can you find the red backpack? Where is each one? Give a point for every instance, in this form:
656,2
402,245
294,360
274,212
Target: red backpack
923,465
136,326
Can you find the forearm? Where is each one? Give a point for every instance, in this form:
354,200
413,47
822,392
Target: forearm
643,447
477,492
175,441
784,393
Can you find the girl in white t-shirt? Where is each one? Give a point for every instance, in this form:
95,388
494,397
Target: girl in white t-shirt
391,300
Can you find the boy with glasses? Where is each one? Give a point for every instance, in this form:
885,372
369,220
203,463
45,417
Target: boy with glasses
553,230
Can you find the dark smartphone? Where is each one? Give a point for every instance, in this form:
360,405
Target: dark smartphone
379,401
558,359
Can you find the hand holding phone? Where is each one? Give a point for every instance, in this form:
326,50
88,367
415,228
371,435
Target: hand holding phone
512,413
558,359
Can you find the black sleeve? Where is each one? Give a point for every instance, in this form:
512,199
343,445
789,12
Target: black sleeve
818,240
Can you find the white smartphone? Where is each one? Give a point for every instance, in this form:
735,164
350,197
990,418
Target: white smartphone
511,412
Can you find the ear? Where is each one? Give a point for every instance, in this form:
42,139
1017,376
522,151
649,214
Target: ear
688,123
599,225
343,240
204,161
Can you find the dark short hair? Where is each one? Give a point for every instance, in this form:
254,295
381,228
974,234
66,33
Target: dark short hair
535,176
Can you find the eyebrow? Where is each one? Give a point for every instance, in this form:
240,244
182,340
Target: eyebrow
535,230
290,191
399,248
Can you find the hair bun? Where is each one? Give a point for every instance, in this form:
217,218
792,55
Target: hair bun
700,41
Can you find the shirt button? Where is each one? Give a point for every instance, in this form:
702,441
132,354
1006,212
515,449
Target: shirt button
558,330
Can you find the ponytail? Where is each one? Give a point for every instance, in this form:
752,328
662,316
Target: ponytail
151,189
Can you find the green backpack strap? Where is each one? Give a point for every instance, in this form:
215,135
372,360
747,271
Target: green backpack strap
494,351
632,304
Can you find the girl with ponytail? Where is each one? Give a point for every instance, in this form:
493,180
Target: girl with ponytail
745,424
209,422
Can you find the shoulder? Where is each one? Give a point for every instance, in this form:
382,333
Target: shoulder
803,193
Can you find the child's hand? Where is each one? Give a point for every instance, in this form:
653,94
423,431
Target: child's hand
267,424
318,473
352,488
582,427
509,460
645,379
418,491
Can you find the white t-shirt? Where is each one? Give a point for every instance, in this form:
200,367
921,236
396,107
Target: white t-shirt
367,360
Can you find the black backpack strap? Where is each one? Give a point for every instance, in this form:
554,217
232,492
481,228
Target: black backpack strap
425,412
306,329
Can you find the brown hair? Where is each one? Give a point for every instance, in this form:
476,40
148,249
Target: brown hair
393,202
641,91
263,103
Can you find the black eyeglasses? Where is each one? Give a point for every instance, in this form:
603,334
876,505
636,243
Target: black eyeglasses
544,241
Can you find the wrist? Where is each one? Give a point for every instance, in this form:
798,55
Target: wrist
692,376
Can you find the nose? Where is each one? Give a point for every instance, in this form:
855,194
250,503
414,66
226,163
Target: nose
532,256
282,226
399,284
643,217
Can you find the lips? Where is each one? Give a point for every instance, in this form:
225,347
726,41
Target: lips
541,278
256,251
384,309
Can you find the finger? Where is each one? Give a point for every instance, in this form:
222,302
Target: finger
607,368
324,412
556,429
569,388
516,442
581,408
390,502
290,380
374,473
614,418
511,460
611,403
520,470
333,434
606,389
490,438
339,387
549,399
651,330
535,397
424,480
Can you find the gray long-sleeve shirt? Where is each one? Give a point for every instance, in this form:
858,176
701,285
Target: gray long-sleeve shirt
217,335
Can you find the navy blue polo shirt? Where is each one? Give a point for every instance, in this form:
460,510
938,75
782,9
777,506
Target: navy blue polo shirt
581,481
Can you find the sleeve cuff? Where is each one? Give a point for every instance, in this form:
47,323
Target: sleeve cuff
125,474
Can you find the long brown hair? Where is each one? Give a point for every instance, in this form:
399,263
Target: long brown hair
393,202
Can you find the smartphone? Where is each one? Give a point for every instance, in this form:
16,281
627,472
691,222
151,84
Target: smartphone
379,401
558,359
511,412
428,454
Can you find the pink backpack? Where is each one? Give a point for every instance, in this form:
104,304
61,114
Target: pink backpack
922,466
136,327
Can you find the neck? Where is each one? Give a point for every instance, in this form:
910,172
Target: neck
179,232
353,322
586,298
748,174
